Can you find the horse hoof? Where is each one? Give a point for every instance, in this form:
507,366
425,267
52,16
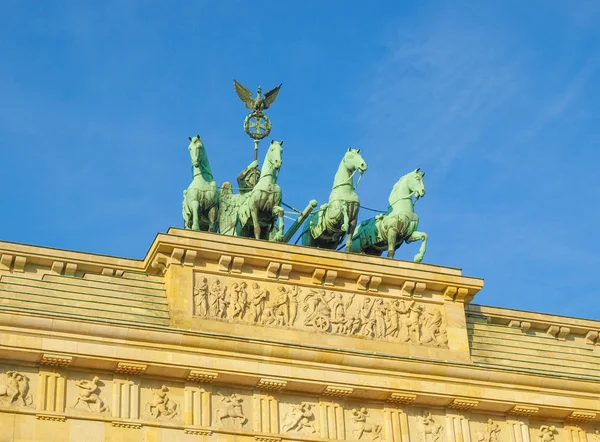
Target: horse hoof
418,258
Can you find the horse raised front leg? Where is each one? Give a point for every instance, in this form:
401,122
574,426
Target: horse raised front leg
419,236
346,224
195,207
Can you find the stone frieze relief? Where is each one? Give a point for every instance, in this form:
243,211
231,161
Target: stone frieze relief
320,310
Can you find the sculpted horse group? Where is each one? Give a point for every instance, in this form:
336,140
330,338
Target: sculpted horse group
256,209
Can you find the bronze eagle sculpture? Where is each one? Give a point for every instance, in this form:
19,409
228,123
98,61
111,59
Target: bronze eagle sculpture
259,103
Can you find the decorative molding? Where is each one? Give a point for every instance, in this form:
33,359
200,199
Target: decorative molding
57,267
330,277
284,272
362,282
524,326
450,293
419,289
463,404
123,424
271,384
236,265
70,269
374,284
462,295
317,277
198,431
337,391
201,376
273,269
524,410
407,288
266,439
177,256
581,416
51,417
190,258
130,368
224,263
399,397
553,330
56,360
19,264
591,337
563,333
5,262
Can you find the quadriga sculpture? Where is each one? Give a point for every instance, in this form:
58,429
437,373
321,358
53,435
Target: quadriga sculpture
399,224
327,227
200,199
257,213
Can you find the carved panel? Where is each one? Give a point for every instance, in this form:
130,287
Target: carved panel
232,409
299,417
161,404
315,309
15,389
88,393
426,426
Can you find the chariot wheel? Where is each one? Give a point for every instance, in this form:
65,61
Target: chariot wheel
322,323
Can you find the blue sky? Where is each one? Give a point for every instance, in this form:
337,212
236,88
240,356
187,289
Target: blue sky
497,101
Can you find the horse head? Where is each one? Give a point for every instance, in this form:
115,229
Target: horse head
275,154
415,183
196,149
354,161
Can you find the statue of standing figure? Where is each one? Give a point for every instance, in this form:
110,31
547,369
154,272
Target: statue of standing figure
336,219
398,225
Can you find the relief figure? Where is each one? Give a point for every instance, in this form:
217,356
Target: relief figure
231,410
15,389
299,418
161,405
239,300
362,427
492,430
90,395
547,433
257,303
201,297
427,427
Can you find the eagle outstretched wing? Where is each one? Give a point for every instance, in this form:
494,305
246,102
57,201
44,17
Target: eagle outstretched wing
245,94
271,96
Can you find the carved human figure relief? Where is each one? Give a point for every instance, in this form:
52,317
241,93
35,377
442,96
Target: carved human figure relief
300,419
239,300
427,429
14,389
547,433
230,412
90,396
257,303
161,406
201,297
596,435
491,432
320,310
364,428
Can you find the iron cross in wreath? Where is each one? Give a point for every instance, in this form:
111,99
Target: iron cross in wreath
256,123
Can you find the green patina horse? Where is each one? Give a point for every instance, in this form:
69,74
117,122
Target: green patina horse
257,213
399,224
327,227
200,200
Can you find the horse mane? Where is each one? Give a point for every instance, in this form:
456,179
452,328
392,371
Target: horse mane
204,163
